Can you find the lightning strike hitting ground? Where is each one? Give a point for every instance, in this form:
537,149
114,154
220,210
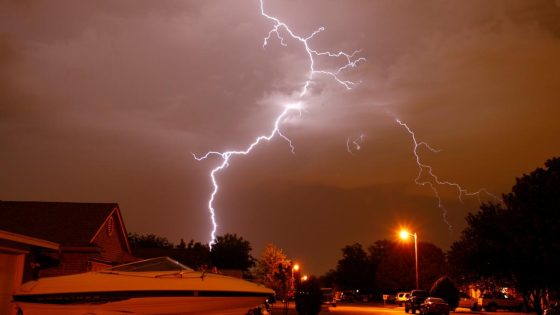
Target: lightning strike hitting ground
228,154
425,170
278,29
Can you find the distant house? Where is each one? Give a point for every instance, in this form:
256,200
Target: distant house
90,236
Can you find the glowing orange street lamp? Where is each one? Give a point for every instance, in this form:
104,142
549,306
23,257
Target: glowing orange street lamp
404,234
304,278
295,269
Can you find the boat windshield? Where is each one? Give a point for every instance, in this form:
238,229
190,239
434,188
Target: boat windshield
154,264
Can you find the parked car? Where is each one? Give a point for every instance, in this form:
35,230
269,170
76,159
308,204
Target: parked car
468,301
350,296
491,302
328,297
390,298
402,297
434,306
414,301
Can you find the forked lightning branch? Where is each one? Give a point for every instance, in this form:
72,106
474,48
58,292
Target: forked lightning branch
282,32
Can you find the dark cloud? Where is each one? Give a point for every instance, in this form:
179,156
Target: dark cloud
107,101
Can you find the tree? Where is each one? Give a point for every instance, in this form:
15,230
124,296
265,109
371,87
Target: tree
232,252
518,241
353,271
379,250
274,270
388,268
148,241
377,253
150,245
445,288
431,263
328,280
480,252
195,255
229,252
396,270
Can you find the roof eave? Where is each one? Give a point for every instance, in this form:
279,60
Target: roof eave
28,240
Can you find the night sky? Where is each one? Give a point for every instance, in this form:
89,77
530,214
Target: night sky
106,101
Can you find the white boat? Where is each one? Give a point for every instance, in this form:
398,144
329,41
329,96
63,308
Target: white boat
152,286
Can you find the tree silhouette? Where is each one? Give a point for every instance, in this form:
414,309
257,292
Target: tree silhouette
195,255
232,252
517,242
148,241
397,272
353,271
445,288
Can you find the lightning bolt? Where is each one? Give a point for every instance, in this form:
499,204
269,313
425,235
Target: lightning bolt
281,31
311,53
425,170
226,156
354,144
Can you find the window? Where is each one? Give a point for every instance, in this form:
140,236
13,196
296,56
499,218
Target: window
110,226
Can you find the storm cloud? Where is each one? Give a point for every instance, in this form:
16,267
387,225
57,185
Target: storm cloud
107,101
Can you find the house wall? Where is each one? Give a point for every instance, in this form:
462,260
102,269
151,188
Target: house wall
111,240
70,263
111,244
96,266
11,270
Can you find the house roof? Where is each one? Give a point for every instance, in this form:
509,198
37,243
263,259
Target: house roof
25,240
66,223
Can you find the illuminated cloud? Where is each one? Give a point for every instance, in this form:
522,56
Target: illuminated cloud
106,101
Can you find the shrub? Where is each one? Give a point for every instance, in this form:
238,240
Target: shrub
445,288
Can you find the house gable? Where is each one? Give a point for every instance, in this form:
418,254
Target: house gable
66,223
111,238
91,236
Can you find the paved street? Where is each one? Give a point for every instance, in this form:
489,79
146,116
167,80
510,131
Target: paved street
347,309
380,309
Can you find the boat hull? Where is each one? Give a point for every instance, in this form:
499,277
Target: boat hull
149,305
159,288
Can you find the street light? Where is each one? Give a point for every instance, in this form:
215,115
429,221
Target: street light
404,234
295,269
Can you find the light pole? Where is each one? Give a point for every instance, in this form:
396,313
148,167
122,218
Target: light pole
404,234
295,269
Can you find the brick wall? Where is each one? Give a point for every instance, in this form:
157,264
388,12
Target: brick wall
111,243
111,240
70,263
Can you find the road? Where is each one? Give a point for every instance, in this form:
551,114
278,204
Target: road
379,309
347,309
